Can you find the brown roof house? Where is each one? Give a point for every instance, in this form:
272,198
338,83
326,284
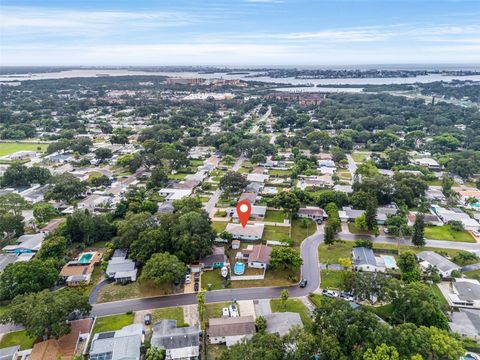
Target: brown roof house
230,330
259,258
79,271
67,346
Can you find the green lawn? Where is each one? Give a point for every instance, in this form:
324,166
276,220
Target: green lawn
195,162
384,311
279,173
292,305
435,182
10,148
446,233
356,230
214,310
344,175
112,323
177,176
331,279
438,294
316,299
215,351
474,274
329,254
212,277
274,216
169,313
219,226
137,289
299,232
359,157
275,232
17,338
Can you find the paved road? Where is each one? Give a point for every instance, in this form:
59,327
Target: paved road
352,166
264,117
210,205
404,241
310,271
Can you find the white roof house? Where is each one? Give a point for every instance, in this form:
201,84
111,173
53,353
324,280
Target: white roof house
464,293
249,232
444,266
175,194
259,178
457,215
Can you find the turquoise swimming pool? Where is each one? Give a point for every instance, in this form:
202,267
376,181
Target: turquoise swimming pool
85,258
239,268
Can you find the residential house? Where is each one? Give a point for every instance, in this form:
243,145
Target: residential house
428,163
30,243
79,271
282,322
455,214
312,212
364,259
466,195
258,212
465,322
249,232
251,197
431,258
124,344
121,269
175,194
230,330
315,181
464,293
326,163
258,178
259,258
347,189
216,260
433,194
179,342
67,346
430,219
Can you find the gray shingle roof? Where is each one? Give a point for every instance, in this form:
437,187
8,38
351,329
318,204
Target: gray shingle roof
167,335
363,256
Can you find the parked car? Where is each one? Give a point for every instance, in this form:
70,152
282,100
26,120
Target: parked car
347,296
196,275
303,283
329,293
233,310
196,286
147,319
187,279
225,312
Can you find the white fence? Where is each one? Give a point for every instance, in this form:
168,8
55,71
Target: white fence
248,277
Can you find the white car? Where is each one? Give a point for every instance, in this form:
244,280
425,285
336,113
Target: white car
330,293
225,312
233,310
188,279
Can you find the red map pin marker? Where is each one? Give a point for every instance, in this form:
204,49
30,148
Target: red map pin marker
244,208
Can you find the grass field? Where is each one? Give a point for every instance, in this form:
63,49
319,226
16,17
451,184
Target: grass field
212,277
214,310
331,279
113,292
275,232
10,148
219,226
17,338
439,295
445,232
474,274
292,305
279,173
112,323
169,313
274,216
355,230
329,254
299,232
177,176
359,157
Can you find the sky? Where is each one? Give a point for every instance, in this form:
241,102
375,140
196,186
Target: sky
239,32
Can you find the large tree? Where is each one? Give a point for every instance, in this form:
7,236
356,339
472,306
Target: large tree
44,212
25,277
418,231
163,268
285,257
371,213
407,262
53,247
288,202
66,187
44,314
233,182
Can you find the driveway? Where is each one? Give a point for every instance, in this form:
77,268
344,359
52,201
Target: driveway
262,307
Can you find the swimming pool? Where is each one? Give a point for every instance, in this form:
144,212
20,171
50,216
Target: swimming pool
239,268
85,258
390,262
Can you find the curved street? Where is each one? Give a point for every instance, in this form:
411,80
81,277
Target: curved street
310,270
